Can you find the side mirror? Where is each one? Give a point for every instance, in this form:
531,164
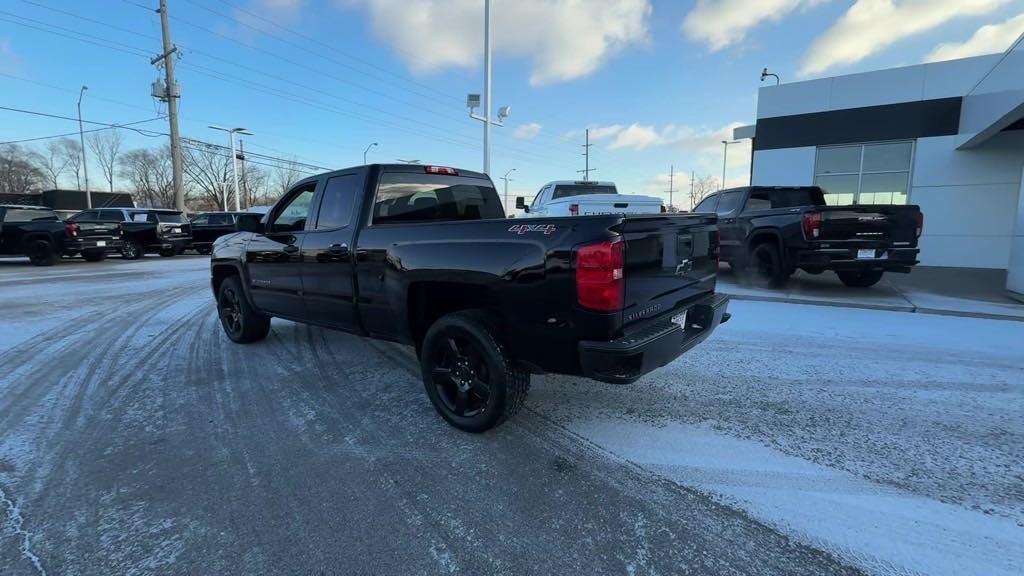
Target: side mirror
520,203
250,223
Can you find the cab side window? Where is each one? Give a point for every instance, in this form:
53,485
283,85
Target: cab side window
292,216
338,199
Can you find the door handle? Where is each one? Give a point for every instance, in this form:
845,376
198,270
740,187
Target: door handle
338,249
290,249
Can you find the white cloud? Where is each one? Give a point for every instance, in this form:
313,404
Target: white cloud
720,23
527,131
989,39
602,132
870,26
10,61
563,40
636,137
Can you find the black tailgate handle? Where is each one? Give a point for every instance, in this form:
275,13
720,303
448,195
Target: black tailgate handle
621,205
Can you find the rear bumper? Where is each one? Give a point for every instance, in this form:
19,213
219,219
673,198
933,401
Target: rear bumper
654,344
889,259
167,244
78,245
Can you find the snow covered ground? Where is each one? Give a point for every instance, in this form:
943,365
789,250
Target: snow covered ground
134,438
894,440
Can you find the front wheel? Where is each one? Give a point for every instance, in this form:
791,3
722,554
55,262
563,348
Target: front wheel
131,250
240,321
860,279
469,379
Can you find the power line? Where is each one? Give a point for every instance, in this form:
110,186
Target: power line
84,131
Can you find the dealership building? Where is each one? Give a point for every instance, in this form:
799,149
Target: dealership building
948,136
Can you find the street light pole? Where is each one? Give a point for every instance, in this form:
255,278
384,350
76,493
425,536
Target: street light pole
234,160
725,157
487,86
372,144
507,179
81,139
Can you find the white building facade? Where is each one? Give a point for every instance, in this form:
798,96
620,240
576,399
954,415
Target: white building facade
947,136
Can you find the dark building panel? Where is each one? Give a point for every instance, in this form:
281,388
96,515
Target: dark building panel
75,200
940,117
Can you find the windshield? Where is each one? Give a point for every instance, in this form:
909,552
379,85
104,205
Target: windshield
565,190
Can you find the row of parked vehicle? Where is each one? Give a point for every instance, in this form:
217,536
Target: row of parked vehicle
39,232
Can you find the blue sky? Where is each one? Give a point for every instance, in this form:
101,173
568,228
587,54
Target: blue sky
658,82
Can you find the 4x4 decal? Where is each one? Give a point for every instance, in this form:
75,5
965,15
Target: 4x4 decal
524,228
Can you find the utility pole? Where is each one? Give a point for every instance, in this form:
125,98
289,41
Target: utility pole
725,158
81,139
586,155
671,181
507,180
245,181
172,94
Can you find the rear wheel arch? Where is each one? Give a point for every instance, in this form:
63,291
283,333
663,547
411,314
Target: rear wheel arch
771,235
428,301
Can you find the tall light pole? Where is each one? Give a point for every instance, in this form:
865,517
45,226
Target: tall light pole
234,160
473,100
81,139
507,179
372,144
725,157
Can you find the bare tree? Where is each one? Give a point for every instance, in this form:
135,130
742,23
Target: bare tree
286,174
207,168
71,153
19,170
106,145
254,182
150,175
53,162
702,186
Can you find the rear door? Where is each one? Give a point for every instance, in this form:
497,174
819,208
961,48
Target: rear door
728,208
273,258
328,272
669,259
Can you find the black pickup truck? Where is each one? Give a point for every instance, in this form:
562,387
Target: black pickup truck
209,226
768,232
37,232
166,232
423,255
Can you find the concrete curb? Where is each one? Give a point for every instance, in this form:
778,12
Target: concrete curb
867,306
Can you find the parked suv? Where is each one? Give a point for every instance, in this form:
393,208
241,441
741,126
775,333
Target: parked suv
146,230
771,231
38,233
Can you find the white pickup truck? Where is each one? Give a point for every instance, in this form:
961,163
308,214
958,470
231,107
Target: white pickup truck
583,198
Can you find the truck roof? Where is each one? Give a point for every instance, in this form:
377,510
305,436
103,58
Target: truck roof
581,182
399,168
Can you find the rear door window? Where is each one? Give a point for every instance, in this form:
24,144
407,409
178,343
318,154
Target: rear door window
707,204
338,199
411,197
759,200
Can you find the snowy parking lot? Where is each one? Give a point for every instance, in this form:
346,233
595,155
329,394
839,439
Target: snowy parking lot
136,439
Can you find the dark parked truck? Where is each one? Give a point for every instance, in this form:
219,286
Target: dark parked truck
166,232
209,226
423,255
40,234
770,232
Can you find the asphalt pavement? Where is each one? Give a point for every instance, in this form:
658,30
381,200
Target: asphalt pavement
136,439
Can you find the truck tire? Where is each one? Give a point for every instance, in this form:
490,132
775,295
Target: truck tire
131,250
241,323
468,377
860,279
94,255
765,266
41,253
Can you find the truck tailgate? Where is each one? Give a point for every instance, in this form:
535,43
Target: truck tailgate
98,230
669,259
869,223
591,204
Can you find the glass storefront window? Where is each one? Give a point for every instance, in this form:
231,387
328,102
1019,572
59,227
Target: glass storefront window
865,173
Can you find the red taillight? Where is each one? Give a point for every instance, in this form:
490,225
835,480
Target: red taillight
574,209
812,225
441,170
599,277
920,223
71,228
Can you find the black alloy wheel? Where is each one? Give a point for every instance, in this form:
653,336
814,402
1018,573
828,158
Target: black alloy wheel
131,250
468,377
241,323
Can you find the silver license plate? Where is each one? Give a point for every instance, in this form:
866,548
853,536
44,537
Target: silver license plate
680,320
867,253
176,230
101,243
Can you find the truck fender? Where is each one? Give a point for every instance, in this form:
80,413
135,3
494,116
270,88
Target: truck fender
760,235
